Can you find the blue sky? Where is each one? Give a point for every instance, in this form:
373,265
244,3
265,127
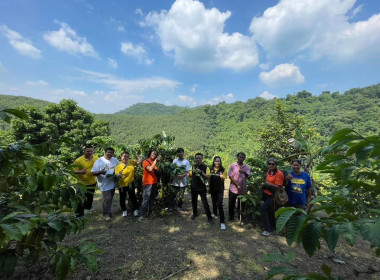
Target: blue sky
108,55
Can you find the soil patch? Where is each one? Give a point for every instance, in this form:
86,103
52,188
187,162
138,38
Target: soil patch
172,246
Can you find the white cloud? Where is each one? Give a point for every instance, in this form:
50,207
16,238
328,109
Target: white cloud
266,95
358,42
37,83
19,43
317,28
112,63
129,87
355,11
185,100
264,66
136,51
68,92
120,28
66,39
195,37
139,12
194,88
283,75
228,98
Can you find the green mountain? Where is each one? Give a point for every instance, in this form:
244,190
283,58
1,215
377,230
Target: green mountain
151,109
236,127
10,101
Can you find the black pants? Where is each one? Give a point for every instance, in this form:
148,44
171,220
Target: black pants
267,213
232,197
89,198
217,204
132,196
194,202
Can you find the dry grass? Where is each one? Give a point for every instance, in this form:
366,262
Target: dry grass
173,245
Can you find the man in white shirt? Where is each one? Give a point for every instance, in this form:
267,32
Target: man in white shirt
180,181
104,170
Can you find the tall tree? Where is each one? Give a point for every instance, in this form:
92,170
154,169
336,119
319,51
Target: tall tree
55,121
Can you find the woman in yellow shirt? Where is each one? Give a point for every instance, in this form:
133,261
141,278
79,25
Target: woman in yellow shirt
126,172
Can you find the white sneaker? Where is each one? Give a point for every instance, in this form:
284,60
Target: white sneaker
223,226
213,216
266,233
125,213
136,213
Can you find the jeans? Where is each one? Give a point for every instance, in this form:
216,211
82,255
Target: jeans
149,193
194,202
217,204
132,196
87,204
232,197
107,201
175,194
267,213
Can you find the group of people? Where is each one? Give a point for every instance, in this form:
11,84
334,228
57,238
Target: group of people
108,174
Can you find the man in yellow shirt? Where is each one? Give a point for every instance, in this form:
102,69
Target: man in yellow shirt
83,171
126,172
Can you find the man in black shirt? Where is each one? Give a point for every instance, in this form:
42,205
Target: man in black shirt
200,174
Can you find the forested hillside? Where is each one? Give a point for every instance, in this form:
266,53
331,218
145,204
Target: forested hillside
153,109
236,126
11,101
233,127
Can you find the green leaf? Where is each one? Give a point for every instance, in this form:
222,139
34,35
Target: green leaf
61,266
9,216
333,237
284,217
338,135
326,270
24,227
356,147
349,232
10,263
17,113
58,226
73,263
301,141
371,233
293,228
91,263
310,237
13,232
278,257
279,270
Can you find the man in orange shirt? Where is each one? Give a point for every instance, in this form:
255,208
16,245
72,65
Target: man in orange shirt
274,181
149,182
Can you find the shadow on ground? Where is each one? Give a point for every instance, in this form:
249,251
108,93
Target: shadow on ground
172,246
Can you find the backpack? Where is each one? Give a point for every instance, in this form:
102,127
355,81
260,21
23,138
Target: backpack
280,196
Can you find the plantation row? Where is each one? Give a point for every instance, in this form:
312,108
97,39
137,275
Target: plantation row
40,192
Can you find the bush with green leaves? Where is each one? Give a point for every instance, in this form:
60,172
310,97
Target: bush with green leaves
352,208
37,196
58,121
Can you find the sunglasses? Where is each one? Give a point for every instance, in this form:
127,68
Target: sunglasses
271,164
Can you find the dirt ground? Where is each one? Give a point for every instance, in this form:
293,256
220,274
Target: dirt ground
172,246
